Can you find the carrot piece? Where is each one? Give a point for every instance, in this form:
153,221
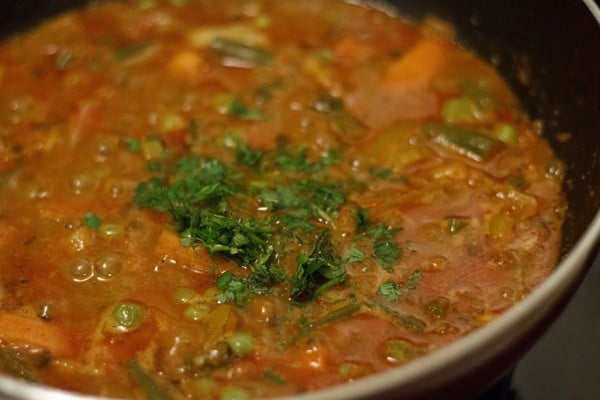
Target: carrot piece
16,328
417,65
352,49
188,65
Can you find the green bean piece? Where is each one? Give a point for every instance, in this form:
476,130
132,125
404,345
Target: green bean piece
133,50
399,350
13,364
455,225
335,315
412,323
408,321
474,144
239,54
145,382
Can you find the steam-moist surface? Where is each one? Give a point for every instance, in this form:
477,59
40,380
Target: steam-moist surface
247,199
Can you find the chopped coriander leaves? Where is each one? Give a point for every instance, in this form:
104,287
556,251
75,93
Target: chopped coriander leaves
386,250
392,291
133,145
387,253
296,159
353,255
233,289
228,104
317,271
208,200
91,220
241,111
412,281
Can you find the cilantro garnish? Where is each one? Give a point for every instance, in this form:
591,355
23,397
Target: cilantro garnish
387,253
296,159
239,110
208,201
133,145
317,271
91,220
353,255
390,290
412,281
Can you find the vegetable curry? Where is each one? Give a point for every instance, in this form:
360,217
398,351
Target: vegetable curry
245,199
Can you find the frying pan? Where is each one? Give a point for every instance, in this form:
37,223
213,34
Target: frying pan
549,52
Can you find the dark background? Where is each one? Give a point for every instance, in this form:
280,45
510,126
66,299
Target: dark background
565,363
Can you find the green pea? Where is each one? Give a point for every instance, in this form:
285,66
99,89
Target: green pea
459,109
349,370
153,149
185,295
128,316
241,343
205,386
196,311
235,393
507,133
399,350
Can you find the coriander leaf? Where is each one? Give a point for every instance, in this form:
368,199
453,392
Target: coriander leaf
152,194
239,240
317,271
387,253
248,156
392,291
362,218
412,281
296,159
234,289
353,255
297,220
265,273
133,145
241,111
92,221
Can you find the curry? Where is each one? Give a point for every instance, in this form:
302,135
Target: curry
247,199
